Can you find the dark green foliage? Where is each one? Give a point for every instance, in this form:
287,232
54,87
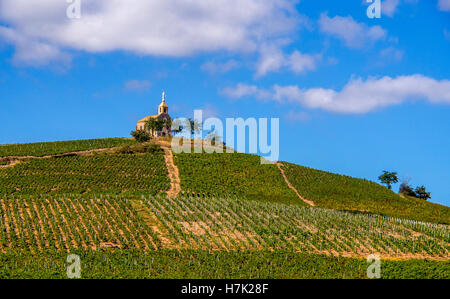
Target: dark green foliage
407,190
141,135
233,174
60,147
155,124
421,192
140,148
195,126
340,192
415,269
189,125
388,178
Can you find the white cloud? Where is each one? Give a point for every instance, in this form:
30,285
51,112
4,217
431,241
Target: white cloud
157,27
444,5
243,90
138,85
295,117
357,96
209,111
32,51
214,68
352,33
389,7
300,63
391,54
272,59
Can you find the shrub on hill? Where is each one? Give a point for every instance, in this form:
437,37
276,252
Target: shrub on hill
422,193
151,148
406,189
141,135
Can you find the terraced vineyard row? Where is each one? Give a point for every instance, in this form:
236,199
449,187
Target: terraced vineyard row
339,192
227,224
69,223
60,147
233,224
94,173
203,264
236,174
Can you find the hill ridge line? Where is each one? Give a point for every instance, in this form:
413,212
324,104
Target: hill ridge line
14,160
309,202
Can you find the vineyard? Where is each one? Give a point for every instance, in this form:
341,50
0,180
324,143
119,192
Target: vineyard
200,264
333,191
213,224
60,147
234,217
233,174
103,172
234,224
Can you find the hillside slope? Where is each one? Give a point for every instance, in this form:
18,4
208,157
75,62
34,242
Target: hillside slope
339,192
59,147
205,223
132,169
124,170
233,218
233,174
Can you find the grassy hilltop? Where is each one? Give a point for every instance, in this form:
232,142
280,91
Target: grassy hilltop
106,200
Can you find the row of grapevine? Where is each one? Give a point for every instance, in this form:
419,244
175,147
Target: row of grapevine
233,224
60,147
233,174
94,173
209,223
67,223
204,264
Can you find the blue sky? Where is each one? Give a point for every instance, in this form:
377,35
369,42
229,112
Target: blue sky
354,95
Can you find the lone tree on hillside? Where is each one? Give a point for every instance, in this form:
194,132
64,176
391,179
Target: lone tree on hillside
421,192
388,178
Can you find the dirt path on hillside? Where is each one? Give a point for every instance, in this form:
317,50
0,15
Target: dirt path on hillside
309,202
14,160
174,174
12,163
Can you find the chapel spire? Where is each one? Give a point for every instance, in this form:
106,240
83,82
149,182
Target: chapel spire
163,108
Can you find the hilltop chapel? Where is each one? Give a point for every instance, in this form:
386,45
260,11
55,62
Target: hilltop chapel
163,114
